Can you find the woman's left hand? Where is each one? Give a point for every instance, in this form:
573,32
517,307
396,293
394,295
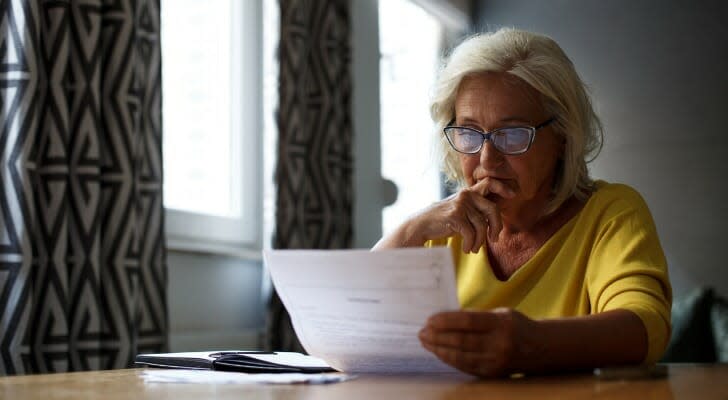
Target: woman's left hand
483,343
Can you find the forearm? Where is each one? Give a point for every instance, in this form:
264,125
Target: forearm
611,338
404,236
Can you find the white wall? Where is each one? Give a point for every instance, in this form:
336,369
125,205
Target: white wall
368,186
214,302
657,70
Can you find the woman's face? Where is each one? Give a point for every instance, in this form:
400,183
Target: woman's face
489,101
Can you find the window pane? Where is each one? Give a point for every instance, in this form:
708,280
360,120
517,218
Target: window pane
199,151
408,66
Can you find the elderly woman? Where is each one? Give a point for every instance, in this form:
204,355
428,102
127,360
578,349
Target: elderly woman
554,271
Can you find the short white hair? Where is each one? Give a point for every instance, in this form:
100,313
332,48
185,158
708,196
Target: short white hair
540,62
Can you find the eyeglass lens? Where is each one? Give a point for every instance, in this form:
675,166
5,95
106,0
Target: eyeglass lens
506,140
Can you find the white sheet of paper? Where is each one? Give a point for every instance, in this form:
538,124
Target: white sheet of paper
152,375
359,310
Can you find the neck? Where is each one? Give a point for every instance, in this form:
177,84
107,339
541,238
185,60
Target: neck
528,222
527,217
523,220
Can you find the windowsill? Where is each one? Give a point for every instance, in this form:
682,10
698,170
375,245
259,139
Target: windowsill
179,245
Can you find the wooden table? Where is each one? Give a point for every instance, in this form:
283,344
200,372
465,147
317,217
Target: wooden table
684,382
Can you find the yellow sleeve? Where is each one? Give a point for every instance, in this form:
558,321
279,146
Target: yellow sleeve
627,270
437,242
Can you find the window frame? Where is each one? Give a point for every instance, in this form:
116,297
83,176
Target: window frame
242,236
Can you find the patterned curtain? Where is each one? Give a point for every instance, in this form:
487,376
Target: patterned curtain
82,260
313,174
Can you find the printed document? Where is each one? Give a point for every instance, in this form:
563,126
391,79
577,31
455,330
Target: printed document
361,310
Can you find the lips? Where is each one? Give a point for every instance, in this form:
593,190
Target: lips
480,176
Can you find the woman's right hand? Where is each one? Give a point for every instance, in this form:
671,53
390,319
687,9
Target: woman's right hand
468,213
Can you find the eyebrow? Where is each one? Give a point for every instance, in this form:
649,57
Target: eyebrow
513,118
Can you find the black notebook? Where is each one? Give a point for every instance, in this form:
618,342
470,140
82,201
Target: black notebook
237,361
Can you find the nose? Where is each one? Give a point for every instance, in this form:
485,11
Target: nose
490,157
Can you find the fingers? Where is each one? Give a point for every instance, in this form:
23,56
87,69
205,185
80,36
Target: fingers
478,353
464,227
491,215
480,227
476,218
492,185
475,363
464,341
480,343
468,213
471,321
464,219
483,188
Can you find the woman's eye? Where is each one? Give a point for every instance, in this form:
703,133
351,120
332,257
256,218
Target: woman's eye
469,138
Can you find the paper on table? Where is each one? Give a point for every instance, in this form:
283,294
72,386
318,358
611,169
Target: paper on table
218,377
360,310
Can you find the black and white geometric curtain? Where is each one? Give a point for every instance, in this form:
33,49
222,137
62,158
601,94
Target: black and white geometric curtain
82,260
314,166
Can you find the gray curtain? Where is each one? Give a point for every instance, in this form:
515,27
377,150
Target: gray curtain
314,167
82,261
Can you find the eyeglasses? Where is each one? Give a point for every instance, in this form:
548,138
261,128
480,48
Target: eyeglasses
510,140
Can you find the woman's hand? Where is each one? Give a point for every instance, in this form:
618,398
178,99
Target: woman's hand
468,213
483,343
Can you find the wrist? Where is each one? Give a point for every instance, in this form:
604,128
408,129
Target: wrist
409,235
403,236
532,350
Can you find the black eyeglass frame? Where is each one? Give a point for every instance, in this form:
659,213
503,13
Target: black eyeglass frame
487,135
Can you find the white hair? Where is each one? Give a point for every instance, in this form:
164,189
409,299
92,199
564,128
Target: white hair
541,63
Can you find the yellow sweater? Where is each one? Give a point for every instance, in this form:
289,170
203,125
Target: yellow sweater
606,257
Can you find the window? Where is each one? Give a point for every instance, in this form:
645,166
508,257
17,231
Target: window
212,124
408,67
